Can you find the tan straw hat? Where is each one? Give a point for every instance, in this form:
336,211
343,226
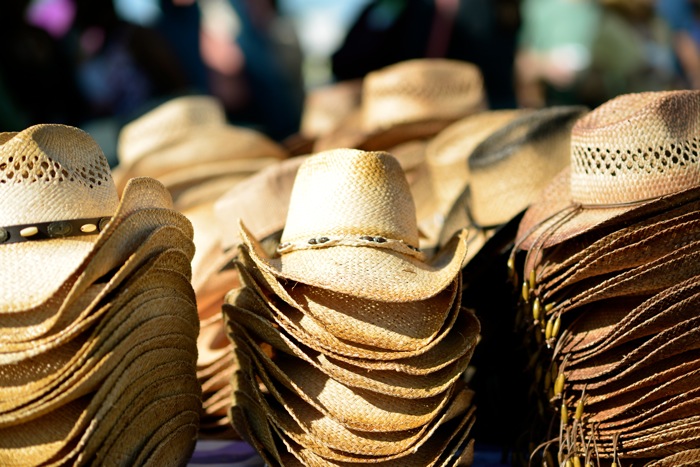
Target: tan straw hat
351,228
508,170
261,202
632,155
189,131
446,155
60,188
414,99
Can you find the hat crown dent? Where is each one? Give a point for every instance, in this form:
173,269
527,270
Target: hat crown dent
350,193
421,89
636,147
53,172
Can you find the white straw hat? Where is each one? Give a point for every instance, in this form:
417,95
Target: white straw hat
352,228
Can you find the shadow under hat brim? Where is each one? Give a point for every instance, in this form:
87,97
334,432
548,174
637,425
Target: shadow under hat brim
556,218
365,272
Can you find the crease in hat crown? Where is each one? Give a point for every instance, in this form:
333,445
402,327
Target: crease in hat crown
168,124
510,167
636,147
353,198
420,89
53,172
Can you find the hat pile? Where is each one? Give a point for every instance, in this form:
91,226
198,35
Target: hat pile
187,144
98,321
499,176
263,198
350,345
402,107
611,283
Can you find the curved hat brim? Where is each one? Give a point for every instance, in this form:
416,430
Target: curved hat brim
366,272
555,218
34,271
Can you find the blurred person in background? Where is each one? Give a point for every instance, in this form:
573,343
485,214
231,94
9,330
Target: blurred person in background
554,48
589,51
482,32
253,62
36,73
683,17
121,66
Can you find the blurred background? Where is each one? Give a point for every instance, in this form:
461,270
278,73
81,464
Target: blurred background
98,64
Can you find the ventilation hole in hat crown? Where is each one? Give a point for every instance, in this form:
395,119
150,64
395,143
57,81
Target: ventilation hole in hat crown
44,169
598,161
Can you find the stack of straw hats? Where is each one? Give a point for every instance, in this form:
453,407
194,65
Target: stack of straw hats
350,346
187,144
98,318
610,265
263,199
519,152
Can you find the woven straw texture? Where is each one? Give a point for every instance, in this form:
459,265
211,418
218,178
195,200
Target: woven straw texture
102,367
613,309
346,189
337,366
49,173
416,90
632,155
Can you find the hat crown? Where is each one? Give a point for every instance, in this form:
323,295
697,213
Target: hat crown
167,124
351,193
420,89
53,172
512,165
636,147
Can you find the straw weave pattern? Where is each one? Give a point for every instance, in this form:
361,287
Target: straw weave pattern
333,206
51,173
417,90
636,147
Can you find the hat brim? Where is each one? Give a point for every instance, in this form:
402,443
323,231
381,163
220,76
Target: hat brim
35,271
366,272
203,146
555,218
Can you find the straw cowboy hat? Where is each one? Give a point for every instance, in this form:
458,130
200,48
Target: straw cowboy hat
189,137
508,170
60,185
409,100
325,108
336,238
99,297
633,155
447,153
